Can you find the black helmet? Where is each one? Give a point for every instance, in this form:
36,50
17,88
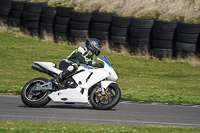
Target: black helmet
94,45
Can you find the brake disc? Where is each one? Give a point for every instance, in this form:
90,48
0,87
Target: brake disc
105,97
33,92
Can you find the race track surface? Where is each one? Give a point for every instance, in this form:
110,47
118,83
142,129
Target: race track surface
125,113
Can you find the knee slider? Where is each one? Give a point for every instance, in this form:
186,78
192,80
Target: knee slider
70,68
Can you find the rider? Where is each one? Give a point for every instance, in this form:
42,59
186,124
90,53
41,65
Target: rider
83,55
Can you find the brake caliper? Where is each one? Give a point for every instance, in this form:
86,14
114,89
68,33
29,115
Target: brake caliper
103,97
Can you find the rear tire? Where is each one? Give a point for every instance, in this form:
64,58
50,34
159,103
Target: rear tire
35,99
112,97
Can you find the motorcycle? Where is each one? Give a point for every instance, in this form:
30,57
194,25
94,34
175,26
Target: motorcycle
88,85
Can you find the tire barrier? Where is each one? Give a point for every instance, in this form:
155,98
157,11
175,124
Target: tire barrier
79,26
61,25
5,7
163,36
100,25
119,32
47,20
187,39
31,17
159,38
16,13
140,33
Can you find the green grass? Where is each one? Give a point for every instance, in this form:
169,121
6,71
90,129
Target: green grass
45,127
140,79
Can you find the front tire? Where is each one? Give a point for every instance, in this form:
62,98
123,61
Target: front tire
35,99
107,101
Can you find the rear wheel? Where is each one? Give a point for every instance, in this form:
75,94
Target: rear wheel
32,98
108,100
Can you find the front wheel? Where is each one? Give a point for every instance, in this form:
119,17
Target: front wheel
33,98
108,100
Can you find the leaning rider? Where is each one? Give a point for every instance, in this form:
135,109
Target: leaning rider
83,55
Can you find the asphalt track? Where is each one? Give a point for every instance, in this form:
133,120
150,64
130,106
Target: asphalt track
125,113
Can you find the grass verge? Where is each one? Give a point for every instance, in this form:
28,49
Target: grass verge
46,127
140,79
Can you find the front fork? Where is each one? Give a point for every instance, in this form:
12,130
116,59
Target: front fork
102,89
104,85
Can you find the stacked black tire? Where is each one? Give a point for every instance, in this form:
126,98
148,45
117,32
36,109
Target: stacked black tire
140,33
119,32
163,38
31,17
16,13
100,25
5,7
47,20
61,26
187,39
79,26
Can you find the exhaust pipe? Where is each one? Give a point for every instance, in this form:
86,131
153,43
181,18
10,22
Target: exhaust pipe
37,67
43,70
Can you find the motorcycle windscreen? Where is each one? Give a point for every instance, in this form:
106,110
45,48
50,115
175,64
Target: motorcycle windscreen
103,58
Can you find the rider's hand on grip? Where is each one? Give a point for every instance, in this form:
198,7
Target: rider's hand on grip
100,65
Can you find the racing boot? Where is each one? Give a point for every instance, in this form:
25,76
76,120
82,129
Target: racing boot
58,79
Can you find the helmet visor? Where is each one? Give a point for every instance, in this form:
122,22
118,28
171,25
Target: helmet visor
97,52
98,49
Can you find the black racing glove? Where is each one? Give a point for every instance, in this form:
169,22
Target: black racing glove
99,65
90,63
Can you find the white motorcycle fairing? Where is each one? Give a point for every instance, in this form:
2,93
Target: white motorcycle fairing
49,66
85,79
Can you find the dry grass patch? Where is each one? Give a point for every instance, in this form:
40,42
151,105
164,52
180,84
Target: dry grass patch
172,10
194,61
46,37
